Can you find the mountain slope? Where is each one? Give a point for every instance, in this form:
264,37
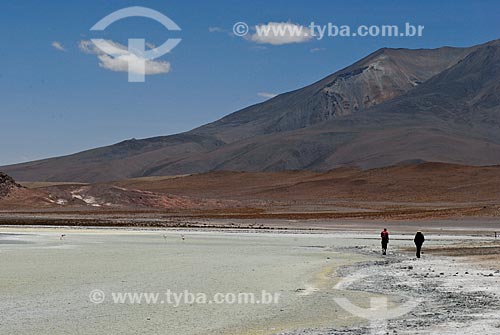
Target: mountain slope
383,75
453,117
394,105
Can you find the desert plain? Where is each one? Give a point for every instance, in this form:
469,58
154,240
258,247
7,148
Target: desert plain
49,273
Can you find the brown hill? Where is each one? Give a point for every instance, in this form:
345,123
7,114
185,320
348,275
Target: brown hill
412,191
71,196
418,183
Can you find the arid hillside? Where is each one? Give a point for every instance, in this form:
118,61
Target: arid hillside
416,191
421,183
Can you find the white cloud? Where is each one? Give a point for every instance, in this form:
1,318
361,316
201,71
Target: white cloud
266,95
279,33
58,45
317,49
132,63
110,48
118,58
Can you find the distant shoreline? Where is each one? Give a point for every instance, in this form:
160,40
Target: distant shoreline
480,226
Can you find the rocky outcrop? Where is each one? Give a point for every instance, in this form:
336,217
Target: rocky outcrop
7,185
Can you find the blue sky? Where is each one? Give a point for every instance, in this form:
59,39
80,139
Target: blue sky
56,99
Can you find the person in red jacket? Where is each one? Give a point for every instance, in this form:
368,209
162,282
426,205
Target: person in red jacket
385,240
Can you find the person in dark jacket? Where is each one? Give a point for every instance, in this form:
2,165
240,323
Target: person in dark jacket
419,240
384,235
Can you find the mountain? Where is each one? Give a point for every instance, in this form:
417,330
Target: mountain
391,107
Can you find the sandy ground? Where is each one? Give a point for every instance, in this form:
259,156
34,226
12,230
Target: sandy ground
45,282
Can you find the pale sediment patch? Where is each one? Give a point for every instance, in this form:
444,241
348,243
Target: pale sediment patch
308,290
46,284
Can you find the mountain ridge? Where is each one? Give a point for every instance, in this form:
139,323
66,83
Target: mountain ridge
392,97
